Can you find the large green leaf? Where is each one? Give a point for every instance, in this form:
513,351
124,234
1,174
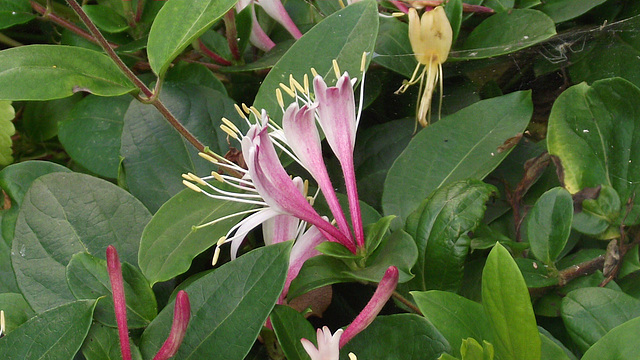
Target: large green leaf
41,118
594,130
563,10
106,18
103,343
91,134
548,224
456,317
393,49
617,344
155,154
14,12
52,335
461,146
507,32
440,228
290,326
590,313
88,278
343,36
170,242
228,307
506,302
16,310
398,337
63,214
168,37
64,69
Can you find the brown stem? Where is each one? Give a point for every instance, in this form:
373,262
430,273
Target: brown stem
396,295
582,269
232,33
49,15
150,96
208,65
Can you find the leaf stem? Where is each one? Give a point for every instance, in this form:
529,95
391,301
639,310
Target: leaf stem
232,33
396,295
211,54
47,14
585,268
148,94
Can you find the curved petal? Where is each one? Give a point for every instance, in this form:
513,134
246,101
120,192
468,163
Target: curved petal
247,224
275,9
303,250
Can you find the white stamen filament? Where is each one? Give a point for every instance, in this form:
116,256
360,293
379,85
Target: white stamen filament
233,198
225,218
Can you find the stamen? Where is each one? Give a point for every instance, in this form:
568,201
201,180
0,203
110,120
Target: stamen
341,4
255,112
229,131
186,177
191,186
279,98
217,176
294,83
352,356
314,72
246,108
208,157
231,125
305,190
311,200
1,323
397,14
242,115
287,90
216,253
336,68
197,179
363,62
306,83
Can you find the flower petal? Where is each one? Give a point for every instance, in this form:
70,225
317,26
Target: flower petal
275,9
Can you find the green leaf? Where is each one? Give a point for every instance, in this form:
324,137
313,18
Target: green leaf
617,344
95,120
456,317
599,214
103,343
168,37
15,180
155,154
548,224
549,350
106,19
7,113
460,146
393,48
507,32
472,350
500,5
63,214
65,69
398,250
397,337
290,326
88,278
55,334
563,10
506,303
16,311
630,262
594,130
228,306
453,9
374,233
14,12
440,228
41,117
195,74
589,313
342,36
170,242
537,274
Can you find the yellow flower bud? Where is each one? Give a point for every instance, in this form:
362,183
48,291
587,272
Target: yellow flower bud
431,37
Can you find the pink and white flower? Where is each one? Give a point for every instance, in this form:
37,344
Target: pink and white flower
276,10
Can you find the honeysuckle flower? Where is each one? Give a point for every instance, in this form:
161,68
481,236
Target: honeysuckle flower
431,37
328,345
181,312
276,10
266,184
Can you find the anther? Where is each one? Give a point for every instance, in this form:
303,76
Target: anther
197,179
246,108
341,4
352,356
294,83
191,186
287,90
314,72
336,68
1,323
311,200
305,80
229,131
255,112
231,125
279,98
216,255
186,177
363,62
208,157
398,14
217,176
305,190
240,112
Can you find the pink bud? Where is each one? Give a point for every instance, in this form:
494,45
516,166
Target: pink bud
181,316
119,304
